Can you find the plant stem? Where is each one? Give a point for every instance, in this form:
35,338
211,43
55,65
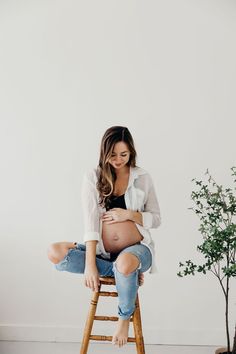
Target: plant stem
234,346
227,313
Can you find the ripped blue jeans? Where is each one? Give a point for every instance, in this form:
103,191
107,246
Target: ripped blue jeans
126,285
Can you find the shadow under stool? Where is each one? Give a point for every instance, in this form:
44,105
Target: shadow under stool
135,319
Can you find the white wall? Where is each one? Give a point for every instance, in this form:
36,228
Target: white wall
71,69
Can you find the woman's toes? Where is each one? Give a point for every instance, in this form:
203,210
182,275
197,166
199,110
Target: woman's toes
114,340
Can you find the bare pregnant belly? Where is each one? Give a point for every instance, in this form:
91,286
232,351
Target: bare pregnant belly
120,235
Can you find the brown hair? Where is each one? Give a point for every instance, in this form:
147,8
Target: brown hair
105,172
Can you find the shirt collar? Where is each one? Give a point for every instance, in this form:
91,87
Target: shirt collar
135,172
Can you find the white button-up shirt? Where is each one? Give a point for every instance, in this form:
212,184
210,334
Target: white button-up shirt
140,196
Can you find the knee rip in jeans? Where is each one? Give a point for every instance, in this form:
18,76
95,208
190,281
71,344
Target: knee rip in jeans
135,272
60,265
130,273
67,256
135,255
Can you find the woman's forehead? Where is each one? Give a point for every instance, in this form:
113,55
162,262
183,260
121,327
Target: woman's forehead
120,147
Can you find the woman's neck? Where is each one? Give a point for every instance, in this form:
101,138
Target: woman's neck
122,172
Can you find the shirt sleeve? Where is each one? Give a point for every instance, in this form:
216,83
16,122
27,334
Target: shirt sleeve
90,207
151,214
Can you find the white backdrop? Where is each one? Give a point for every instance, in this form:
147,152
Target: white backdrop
68,71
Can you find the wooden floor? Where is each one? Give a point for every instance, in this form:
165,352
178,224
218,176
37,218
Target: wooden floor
73,348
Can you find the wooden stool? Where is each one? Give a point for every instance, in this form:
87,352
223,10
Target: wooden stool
135,318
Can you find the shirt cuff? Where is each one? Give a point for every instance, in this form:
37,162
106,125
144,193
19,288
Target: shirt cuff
147,219
91,236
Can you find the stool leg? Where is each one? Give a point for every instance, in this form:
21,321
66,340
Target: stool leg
138,328
89,322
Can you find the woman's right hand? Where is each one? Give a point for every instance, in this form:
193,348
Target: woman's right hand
91,278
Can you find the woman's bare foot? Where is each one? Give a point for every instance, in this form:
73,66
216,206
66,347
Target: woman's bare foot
120,336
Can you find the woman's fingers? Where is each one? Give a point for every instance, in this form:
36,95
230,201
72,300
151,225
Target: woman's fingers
91,277
93,284
107,216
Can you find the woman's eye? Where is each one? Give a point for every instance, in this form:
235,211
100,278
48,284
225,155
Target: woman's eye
120,155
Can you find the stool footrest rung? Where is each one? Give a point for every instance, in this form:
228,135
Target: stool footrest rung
108,293
109,318
108,338
106,318
112,282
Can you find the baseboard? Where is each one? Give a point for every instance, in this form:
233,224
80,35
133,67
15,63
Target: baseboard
55,333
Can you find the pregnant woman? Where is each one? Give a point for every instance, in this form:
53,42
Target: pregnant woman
119,207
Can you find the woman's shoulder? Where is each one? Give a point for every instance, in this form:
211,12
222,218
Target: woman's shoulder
142,176
139,171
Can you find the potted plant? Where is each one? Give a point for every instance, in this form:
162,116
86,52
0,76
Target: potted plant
216,208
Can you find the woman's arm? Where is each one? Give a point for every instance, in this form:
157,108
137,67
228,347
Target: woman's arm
151,214
91,227
90,259
90,207
91,276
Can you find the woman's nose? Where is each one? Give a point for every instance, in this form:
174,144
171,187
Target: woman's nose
118,159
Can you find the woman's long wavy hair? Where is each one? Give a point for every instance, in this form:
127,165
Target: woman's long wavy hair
105,172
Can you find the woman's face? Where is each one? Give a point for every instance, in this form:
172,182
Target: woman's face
120,155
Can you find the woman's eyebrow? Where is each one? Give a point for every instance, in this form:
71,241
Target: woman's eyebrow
121,152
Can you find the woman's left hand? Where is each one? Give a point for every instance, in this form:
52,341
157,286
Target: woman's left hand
116,215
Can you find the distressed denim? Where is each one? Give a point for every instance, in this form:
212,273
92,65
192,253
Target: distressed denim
126,285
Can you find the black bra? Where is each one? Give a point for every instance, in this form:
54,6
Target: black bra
117,202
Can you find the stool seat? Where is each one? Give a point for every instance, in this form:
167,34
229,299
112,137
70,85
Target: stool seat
107,280
135,319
